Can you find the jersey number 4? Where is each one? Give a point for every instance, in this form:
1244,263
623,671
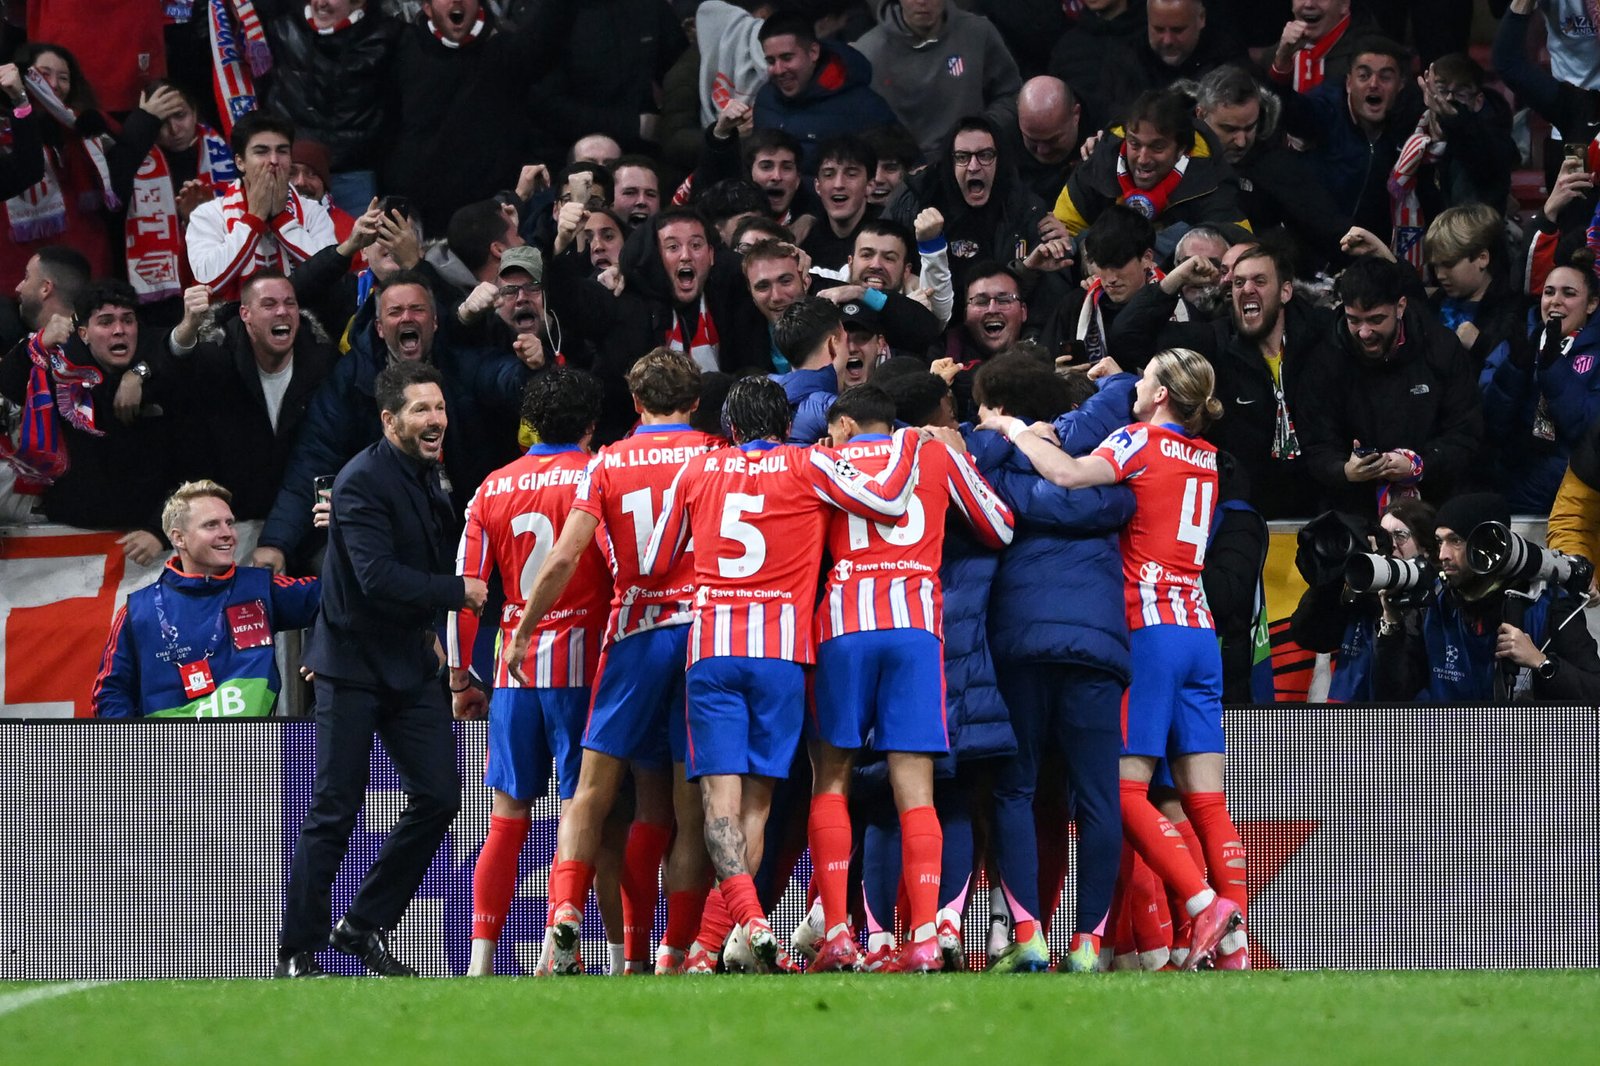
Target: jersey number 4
1194,519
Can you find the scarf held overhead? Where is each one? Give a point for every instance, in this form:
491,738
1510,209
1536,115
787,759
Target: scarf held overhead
41,211
234,69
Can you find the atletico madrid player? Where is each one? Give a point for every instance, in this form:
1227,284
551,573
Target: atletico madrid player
880,665
1175,697
536,715
756,514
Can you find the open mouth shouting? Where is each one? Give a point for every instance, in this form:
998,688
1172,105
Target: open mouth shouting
429,441
976,191
408,342
282,332
686,281
526,319
993,325
875,277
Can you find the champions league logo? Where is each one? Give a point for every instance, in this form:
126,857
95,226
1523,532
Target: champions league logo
1142,204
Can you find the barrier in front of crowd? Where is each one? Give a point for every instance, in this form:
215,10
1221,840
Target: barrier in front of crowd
1379,838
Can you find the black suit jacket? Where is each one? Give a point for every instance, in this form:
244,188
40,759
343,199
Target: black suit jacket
389,572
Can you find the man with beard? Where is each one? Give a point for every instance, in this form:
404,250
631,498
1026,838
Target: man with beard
1358,126
400,326
1205,299
845,166
1048,117
878,277
1263,352
1177,44
679,290
1161,167
390,238
636,188
1277,186
521,321
1397,403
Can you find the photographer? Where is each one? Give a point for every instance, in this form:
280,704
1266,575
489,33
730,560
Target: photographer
1332,616
1505,623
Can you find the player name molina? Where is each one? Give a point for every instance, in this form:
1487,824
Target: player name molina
530,481
653,456
1188,453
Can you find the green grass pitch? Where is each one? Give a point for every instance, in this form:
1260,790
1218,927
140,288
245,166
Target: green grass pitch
1551,1018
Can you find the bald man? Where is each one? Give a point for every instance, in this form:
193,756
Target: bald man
1048,119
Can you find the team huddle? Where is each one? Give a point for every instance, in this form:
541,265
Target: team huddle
681,610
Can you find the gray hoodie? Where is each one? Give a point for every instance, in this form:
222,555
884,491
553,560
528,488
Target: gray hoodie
965,69
731,61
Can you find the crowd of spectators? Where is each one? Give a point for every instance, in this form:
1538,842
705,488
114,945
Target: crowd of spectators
222,220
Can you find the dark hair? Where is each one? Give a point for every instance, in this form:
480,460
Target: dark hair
600,175
757,408
1370,282
1459,68
1170,112
622,223
1275,250
181,90
895,142
1419,517
804,326
473,230
664,381
1582,260
1120,234
1378,45
389,388
270,274
67,270
1021,386
635,159
897,366
765,140
409,277
868,404
762,224
113,292
788,24
916,396
80,97
983,270
1078,386
732,196
714,386
888,227
562,404
848,149
254,123
769,251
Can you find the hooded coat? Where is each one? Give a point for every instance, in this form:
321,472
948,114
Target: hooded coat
838,100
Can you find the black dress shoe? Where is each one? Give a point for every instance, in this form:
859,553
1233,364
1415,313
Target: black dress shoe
300,964
371,947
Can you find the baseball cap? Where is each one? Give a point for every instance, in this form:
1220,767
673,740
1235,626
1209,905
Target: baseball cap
860,318
524,257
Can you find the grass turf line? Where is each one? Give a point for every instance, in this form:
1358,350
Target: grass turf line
1301,1018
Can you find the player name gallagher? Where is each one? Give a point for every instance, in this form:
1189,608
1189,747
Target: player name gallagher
1175,449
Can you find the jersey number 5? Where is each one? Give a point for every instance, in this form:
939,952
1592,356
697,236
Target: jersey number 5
744,534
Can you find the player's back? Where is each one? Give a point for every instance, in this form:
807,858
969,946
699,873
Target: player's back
624,489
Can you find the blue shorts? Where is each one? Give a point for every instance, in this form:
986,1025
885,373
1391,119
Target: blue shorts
889,683
637,712
531,729
744,715
1175,697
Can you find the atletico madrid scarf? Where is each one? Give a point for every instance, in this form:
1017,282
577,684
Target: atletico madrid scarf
1091,328
41,210
40,454
153,233
343,24
1149,202
234,69
1405,208
703,349
472,35
1310,64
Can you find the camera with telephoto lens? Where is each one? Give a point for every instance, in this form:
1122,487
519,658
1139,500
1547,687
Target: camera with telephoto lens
1501,558
1407,581
1327,543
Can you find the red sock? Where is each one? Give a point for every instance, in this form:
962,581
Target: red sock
921,856
494,878
1147,907
1158,842
1191,840
828,833
684,911
641,865
1220,839
739,891
715,921
569,885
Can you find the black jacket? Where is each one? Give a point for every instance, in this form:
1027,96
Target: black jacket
389,573
1207,194
226,433
22,161
1080,55
1278,488
1423,397
1278,187
1135,68
333,86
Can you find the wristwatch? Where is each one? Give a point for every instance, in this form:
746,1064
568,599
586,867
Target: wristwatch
1547,669
141,368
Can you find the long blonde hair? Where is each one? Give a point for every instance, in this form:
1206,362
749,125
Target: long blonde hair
1190,383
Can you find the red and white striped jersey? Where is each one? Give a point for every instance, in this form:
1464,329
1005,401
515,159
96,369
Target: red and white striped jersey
1174,481
758,514
623,488
513,521
886,574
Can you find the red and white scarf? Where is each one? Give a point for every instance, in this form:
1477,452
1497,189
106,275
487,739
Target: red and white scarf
1310,64
234,69
1148,202
1404,208
703,349
472,35
355,16
1091,330
153,234
41,211
40,454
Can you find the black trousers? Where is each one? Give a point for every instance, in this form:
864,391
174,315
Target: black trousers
414,725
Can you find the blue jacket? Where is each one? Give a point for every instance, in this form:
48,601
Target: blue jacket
483,397
810,394
839,100
976,716
211,618
1528,469
1057,594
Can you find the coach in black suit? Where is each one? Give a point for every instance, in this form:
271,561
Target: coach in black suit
390,571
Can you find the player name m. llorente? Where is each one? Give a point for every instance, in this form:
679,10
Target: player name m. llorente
652,456
1188,453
